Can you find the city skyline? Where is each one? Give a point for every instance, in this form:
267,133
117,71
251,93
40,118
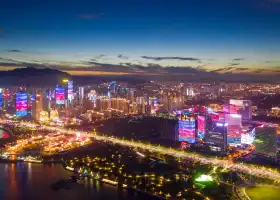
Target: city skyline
143,38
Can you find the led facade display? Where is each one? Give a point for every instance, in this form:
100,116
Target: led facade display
201,127
186,130
70,90
21,104
216,134
59,95
1,98
233,129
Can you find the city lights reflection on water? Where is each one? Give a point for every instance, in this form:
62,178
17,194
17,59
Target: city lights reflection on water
33,181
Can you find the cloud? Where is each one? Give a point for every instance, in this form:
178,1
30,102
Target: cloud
90,16
241,69
8,60
258,71
121,56
15,51
170,58
99,56
238,59
233,64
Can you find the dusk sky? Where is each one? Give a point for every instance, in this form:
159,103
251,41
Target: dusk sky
224,36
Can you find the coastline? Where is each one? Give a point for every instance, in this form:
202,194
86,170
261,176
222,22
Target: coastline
103,180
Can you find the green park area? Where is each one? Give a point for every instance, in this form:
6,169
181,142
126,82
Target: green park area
263,193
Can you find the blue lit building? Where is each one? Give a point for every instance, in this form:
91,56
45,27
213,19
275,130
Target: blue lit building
21,104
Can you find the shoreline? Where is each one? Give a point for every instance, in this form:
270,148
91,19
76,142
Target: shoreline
103,180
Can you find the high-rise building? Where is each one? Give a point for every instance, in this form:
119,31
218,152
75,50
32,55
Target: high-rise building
70,91
105,103
81,95
266,141
1,98
201,127
134,108
140,100
92,97
186,129
244,108
234,130
130,95
189,92
216,133
37,106
21,104
59,95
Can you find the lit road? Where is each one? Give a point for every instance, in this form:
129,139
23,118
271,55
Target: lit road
257,171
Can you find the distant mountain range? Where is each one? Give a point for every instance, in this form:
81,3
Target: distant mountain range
32,77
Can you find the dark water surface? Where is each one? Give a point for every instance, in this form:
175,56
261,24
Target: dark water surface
26,181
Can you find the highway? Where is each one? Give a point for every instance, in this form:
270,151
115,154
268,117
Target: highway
257,171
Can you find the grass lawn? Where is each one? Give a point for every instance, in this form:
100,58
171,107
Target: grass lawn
263,193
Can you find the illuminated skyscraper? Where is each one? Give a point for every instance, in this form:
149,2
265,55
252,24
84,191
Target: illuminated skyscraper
130,95
70,91
186,129
216,133
59,95
37,106
244,108
81,95
21,104
234,131
1,98
266,141
92,97
201,127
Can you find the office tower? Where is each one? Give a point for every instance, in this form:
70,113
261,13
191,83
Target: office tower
234,131
244,108
37,106
266,141
186,129
140,100
134,108
21,104
126,107
81,95
189,92
130,95
1,98
70,96
216,133
105,103
67,103
230,108
201,127
59,95
153,102
112,87
98,103
92,97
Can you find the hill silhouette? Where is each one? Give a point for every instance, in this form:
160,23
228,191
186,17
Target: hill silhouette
32,77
